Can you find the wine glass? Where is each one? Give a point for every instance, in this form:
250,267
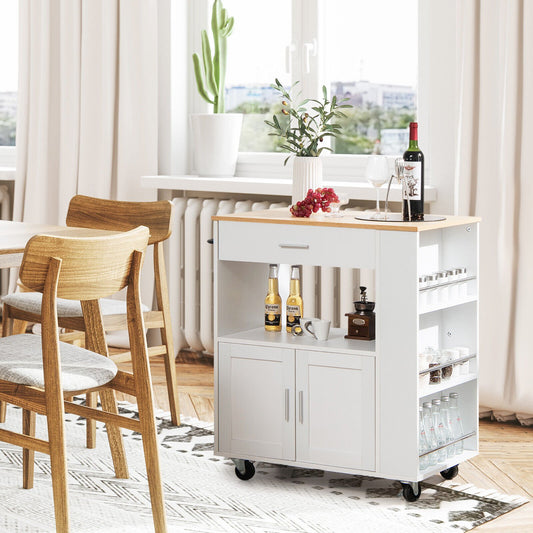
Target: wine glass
377,174
336,206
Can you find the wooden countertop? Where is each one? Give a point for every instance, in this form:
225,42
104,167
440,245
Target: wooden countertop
283,216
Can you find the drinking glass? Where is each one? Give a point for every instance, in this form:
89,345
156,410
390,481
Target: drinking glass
336,206
377,174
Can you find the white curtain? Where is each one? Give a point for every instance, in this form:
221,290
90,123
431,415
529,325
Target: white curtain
494,179
87,114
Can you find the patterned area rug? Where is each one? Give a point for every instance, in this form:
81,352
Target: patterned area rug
204,495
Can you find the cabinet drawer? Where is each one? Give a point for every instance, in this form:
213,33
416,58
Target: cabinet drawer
296,244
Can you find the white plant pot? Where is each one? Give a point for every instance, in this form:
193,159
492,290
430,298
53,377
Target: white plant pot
216,143
306,174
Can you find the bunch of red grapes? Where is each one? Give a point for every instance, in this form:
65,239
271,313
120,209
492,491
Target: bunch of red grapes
318,199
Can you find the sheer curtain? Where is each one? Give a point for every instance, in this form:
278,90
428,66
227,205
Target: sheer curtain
494,180
87,119
87,106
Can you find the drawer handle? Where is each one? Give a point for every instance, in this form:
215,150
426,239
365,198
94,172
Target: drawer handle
294,245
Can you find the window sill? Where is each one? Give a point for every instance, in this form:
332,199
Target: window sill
269,186
7,173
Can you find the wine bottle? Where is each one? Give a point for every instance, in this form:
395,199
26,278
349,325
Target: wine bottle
273,301
414,176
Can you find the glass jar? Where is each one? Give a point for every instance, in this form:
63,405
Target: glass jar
464,366
431,295
424,359
442,279
449,356
422,295
462,284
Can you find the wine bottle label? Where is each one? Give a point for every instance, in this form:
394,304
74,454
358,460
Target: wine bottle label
413,177
272,314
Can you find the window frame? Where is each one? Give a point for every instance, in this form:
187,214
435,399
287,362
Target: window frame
437,101
338,167
8,157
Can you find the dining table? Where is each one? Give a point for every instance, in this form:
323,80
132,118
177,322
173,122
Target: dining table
15,235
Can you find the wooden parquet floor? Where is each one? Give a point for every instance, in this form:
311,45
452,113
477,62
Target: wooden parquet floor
505,462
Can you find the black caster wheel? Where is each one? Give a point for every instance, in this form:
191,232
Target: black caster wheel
409,493
249,471
450,473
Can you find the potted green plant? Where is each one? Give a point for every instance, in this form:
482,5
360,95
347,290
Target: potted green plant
304,126
215,135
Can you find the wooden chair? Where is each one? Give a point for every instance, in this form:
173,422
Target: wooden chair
96,213
36,373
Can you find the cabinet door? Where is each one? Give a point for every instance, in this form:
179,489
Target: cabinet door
335,411
256,401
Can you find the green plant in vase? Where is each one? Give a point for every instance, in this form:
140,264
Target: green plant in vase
309,122
210,72
216,135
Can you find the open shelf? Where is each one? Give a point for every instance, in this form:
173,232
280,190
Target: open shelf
437,306
444,365
451,461
336,342
464,437
451,383
447,284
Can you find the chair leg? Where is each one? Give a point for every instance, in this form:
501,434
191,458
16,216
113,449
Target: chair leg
161,290
58,466
7,329
151,457
114,435
28,455
171,378
90,428
19,327
7,322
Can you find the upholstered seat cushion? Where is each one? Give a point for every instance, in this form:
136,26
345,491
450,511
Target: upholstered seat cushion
21,362
31,303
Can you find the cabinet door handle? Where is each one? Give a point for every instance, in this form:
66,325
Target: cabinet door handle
297,245
287,414
301,406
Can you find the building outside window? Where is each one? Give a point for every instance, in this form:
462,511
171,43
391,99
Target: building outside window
364,51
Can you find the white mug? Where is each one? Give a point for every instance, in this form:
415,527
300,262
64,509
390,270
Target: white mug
317,328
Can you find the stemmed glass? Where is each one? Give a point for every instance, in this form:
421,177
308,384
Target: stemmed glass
335,206
377,174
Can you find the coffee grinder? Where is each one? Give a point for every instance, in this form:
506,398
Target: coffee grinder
362,323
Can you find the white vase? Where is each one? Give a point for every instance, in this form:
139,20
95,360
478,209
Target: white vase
306,174
216,139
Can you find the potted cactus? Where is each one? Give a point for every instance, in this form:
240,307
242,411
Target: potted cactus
216,135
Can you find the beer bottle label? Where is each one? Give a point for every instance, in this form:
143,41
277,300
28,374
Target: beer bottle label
272,314
293,315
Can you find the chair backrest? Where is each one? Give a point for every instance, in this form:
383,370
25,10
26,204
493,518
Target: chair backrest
91,267
97,213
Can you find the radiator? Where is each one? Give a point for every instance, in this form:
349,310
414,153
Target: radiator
327,292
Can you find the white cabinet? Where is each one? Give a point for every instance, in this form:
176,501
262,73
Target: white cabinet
335,410
256,401
342,404
283,404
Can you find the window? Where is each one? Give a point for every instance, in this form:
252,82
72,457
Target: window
257,55
8,80
369,55
365,51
